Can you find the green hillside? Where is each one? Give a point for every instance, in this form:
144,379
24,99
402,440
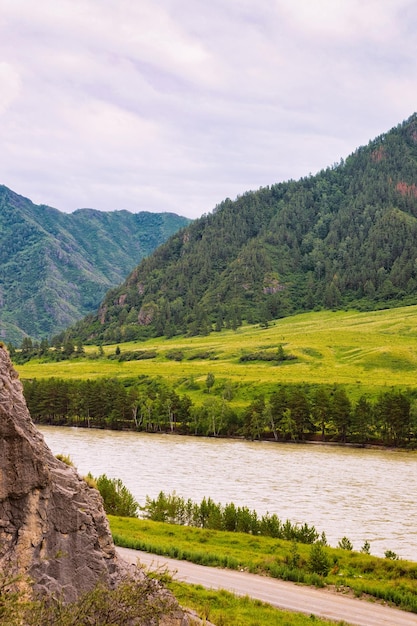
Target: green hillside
56,267
366,352
337,376
345,237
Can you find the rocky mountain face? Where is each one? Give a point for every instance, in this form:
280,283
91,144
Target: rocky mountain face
52,524
56,267
53,529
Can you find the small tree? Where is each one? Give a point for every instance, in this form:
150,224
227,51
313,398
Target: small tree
293,559
280,353
210,381
389,554
117,499
318,560
345,544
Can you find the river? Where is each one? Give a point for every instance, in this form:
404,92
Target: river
365,495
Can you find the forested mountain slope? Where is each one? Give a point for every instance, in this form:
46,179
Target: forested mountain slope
344,237
56,267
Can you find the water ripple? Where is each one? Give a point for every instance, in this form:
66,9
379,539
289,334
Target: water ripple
366,495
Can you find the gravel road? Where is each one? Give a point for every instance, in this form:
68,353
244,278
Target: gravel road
283,595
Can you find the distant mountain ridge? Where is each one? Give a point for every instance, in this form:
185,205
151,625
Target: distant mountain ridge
56,267
346,237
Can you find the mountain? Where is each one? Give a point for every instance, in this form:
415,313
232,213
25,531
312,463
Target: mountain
346,237
56,267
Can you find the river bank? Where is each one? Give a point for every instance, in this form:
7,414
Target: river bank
363,494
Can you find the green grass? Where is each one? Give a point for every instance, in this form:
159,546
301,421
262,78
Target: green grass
394,581
225,609
367,352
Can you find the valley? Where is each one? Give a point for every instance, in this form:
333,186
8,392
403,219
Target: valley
366,351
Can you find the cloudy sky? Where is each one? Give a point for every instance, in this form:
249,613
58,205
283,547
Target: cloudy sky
174,105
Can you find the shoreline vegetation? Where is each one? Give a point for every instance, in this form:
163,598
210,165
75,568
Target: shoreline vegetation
292,413
234,537
339,377
341,569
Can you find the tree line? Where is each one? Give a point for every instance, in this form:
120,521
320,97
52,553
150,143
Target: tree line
174,509
290,413
342,238
56,350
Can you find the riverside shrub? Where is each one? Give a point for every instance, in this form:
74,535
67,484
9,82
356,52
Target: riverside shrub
117,499
174,509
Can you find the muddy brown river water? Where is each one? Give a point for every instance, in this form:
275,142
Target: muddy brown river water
365,495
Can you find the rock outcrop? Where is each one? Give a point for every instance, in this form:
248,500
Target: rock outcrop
52,524
53,528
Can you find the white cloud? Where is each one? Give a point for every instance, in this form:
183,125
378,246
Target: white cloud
175,105
344,20
9,86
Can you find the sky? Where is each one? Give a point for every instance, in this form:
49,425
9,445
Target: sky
175,105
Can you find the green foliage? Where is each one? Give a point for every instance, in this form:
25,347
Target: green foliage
366,548
393,581
135,600
12,602
318,561
173,509
210,380
389,554
175,355
343,238
117,499
258,401
345,544
226,609
65,458
56,267
134,355
263,355
200,356
292,412
44,352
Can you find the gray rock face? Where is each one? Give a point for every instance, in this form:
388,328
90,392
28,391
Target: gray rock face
52,524
53,529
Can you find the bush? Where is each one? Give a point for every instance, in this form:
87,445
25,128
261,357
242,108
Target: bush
65,458
90,480
135,355
319,561
175,355
345,544
117,499
389,554
133,601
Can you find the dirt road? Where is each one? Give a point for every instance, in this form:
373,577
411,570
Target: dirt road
280,594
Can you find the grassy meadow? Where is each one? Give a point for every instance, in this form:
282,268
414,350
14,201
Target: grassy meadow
391,580
226,609
367,352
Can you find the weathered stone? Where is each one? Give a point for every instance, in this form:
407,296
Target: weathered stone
53,528
52,524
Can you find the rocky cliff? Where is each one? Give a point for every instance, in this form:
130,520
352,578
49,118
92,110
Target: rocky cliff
53,529
52,524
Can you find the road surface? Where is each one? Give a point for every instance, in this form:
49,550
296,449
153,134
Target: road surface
278,593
